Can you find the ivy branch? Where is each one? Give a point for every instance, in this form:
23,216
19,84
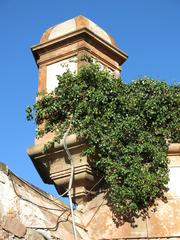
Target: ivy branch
127,128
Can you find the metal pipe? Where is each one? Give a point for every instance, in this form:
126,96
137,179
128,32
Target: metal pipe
70,182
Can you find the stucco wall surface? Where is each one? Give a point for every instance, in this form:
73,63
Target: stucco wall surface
162,222
28,213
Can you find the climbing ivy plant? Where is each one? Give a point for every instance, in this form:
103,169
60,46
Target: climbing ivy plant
127,128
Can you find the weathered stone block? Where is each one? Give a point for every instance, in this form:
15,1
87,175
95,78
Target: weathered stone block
14,226
34,235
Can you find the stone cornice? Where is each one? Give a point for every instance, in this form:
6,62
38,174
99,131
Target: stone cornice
72,140
36,150
174,149
83,33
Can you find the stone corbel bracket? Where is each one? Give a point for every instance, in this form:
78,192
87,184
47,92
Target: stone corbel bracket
54,167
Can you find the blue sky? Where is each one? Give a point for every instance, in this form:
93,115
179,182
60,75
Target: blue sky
148,30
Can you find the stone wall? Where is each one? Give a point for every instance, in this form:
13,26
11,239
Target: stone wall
28,213
162,223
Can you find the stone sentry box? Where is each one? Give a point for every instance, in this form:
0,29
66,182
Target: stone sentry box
61,47
68,41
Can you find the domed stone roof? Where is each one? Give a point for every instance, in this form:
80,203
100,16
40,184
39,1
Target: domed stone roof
75,24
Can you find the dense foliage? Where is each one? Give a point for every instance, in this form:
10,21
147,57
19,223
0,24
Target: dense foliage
127,128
